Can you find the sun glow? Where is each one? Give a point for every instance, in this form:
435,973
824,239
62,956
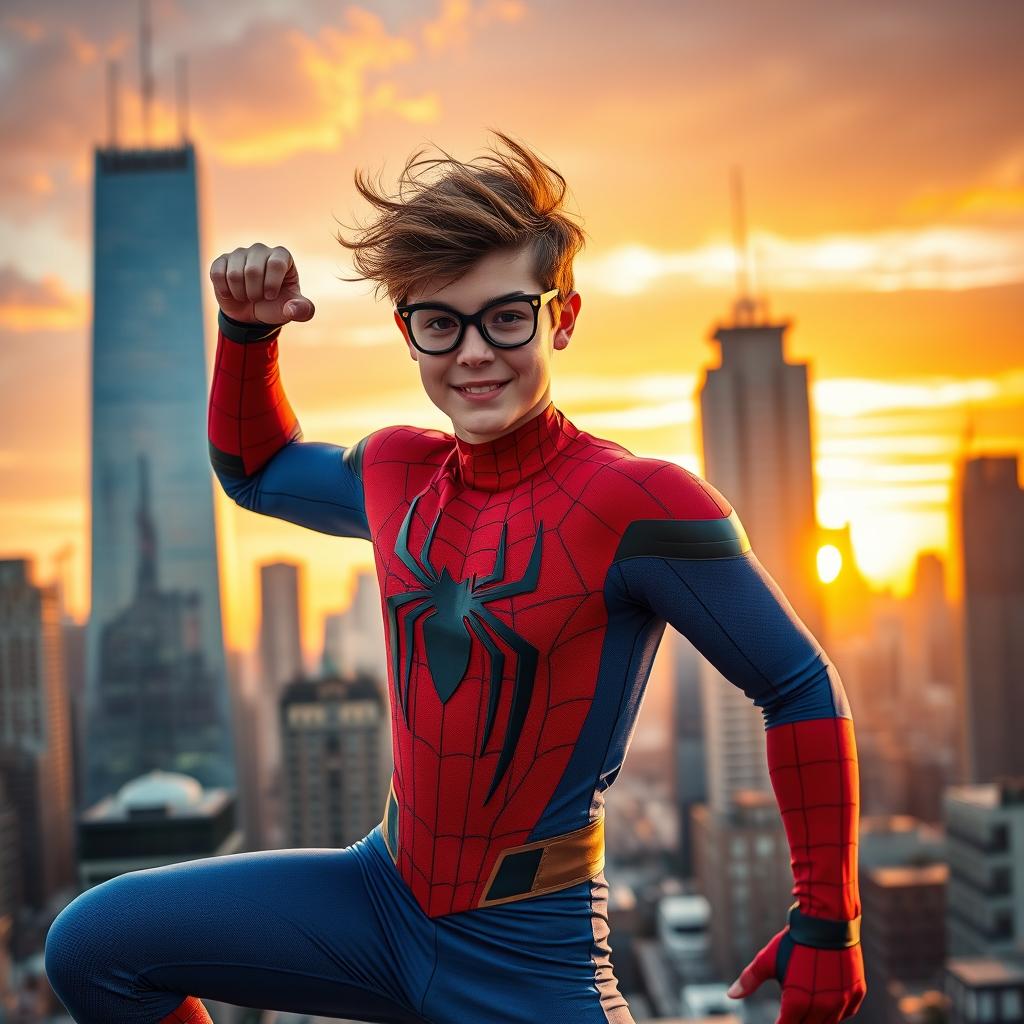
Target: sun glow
830,562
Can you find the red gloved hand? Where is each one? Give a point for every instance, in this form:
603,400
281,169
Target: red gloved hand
819,986
817,957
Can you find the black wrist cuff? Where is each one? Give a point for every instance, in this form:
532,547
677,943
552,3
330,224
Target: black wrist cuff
240,331
822,932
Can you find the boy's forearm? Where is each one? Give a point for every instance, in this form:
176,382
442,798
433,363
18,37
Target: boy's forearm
250,417
814,772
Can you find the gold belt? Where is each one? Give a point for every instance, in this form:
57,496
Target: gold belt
531,869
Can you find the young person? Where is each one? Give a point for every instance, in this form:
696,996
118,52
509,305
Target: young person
527,570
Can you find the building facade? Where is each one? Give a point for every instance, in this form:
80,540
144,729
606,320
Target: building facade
156,688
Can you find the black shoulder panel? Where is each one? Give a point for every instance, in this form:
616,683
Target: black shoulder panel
684,538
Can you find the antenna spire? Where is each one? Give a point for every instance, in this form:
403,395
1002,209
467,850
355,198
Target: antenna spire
145,69
182,77
745,306
112,69
739,234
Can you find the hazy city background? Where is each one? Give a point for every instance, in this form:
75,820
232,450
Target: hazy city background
803,280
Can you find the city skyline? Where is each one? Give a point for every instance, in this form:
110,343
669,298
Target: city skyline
802,282
895,255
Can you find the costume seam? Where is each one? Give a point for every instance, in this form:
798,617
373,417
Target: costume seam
430,981
266,968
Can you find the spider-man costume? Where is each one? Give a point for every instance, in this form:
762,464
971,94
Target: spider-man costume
526,583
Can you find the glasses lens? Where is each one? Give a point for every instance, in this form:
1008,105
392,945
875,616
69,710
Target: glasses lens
511,323
434,329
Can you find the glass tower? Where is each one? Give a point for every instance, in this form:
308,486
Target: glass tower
156,691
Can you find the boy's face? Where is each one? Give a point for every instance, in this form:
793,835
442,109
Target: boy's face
526,370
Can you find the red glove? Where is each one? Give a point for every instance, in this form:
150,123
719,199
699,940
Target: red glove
817,957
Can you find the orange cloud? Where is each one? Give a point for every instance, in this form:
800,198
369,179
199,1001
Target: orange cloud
287,91
28,181
457,18
900,259
858,396
24,27
27,305
418,110
999,189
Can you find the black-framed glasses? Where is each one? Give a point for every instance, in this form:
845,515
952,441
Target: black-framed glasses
508,322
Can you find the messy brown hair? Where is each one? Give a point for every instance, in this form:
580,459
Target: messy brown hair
437,229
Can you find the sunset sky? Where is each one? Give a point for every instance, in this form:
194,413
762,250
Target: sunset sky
882,152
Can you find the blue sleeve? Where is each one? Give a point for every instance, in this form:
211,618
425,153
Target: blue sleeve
701,576
311,483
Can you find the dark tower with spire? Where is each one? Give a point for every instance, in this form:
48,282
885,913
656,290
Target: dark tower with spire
757,436
157,692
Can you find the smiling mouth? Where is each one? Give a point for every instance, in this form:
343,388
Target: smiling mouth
480,390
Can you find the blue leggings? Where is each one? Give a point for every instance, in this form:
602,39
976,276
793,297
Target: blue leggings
333,933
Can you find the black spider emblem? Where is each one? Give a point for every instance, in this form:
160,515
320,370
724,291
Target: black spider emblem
453,608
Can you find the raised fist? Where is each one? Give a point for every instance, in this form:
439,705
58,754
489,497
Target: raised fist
259,284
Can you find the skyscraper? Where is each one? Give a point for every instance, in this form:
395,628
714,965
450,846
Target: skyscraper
984,826
280,625
991,542
280,664
354,645
156,686
354,639
35,734
756,437
332,733
755,422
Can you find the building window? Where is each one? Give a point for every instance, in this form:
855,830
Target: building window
986,1006
1010,1004
1000,839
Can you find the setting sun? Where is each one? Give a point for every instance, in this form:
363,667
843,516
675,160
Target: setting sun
830,561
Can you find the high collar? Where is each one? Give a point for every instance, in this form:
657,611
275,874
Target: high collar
501,463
